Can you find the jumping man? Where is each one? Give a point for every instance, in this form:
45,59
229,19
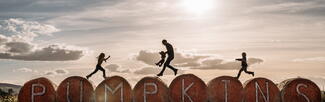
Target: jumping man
170,53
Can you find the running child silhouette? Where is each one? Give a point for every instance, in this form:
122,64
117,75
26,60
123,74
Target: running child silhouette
101,58
162,60
244,65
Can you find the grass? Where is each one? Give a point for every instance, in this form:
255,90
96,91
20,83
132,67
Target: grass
9,99
323,96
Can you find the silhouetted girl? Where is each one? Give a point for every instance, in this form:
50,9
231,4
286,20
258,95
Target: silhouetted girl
101,58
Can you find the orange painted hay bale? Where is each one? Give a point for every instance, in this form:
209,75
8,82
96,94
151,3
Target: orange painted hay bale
150,89
261,90
188,88
75,89
114,89
299,90
37,90
225,89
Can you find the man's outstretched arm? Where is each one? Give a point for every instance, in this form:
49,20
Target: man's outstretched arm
239,59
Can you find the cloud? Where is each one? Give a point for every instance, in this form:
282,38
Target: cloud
310,7
193,61
49,53
18,47
25,30
225,65
311,59
41,6
61,71
16,42
254,61
181,59
155,70
115,68
56,72
23,70
140,71
26,70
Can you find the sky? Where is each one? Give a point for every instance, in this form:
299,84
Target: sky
56,39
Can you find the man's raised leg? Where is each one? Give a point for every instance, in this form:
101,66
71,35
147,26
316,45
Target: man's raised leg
174,69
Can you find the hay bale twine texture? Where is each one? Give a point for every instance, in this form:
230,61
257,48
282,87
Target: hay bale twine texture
261,90
75,89
150,89
114,89
299,90
37,90
225,89
188,88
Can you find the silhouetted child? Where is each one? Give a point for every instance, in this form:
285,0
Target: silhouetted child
244,65
163,56
101,58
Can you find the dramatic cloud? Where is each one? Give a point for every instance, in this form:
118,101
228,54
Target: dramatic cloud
16,42
193,61
25,30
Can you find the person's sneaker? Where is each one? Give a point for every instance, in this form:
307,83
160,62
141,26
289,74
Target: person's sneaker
87,77
105,77
159,74
175,71
253,74
237,77
157,64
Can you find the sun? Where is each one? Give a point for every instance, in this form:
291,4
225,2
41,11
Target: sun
197,6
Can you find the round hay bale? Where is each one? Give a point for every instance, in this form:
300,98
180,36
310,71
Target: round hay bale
299,90
261,90
150,89
75,89
37,90
225,89
188,88
114,89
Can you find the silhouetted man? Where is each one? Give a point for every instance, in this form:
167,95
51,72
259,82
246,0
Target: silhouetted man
244,65
170,53
101,58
